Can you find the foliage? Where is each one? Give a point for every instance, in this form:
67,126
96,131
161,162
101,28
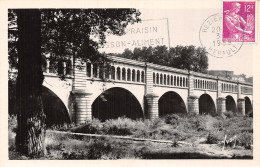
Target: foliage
73,32
120,126
68,146
214,137
94,127
12,126
172,119
182,57
63,34
245,139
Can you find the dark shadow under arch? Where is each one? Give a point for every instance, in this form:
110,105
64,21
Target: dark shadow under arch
54,109
248,107
231,104
116,102
171,102
206,105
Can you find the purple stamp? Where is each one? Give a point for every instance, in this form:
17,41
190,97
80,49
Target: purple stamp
238,21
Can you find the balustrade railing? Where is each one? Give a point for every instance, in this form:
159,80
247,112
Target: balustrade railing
200,83
126,70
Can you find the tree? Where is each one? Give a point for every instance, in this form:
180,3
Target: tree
182,57
62,33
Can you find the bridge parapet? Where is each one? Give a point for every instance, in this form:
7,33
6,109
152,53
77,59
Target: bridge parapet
133,71
121,72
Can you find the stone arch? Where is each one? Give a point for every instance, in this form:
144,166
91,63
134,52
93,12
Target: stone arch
54,108
171,102
116,102
206,105
230,104
248,107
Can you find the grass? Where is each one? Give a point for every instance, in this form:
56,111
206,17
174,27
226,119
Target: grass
189,128
173,127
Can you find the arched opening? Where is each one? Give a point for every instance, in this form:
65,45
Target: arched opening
69,70
123,74
116,102
138,76
128,74
118,72
88,69
54,109
230,104
206,105
95,70
248,107
171,102
168,80
113,70
157,78
142,76
133,75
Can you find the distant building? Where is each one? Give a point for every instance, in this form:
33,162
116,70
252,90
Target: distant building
239,78
222,73
249,79
228,74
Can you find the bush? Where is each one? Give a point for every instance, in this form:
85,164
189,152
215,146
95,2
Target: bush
172,119
98,148
214,137
120,126
245,139
229,114
63,127
94,127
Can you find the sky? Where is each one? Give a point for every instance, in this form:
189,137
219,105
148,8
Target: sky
184,27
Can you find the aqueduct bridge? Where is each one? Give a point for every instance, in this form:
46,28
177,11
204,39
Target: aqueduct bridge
144,90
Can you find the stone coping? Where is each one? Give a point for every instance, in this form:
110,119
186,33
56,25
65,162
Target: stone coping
175,70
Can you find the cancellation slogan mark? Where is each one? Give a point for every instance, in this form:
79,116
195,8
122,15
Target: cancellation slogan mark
211,38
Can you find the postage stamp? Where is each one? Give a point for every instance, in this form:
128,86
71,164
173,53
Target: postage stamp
239,21
210,36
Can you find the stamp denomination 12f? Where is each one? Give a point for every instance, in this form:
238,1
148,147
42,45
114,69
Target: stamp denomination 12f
211,38
239,21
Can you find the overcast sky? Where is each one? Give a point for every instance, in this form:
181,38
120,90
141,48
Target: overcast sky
184,26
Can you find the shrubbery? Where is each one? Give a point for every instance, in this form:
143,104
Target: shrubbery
245,139
172,127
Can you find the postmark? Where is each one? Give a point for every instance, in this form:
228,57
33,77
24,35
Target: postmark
210,36
239,21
